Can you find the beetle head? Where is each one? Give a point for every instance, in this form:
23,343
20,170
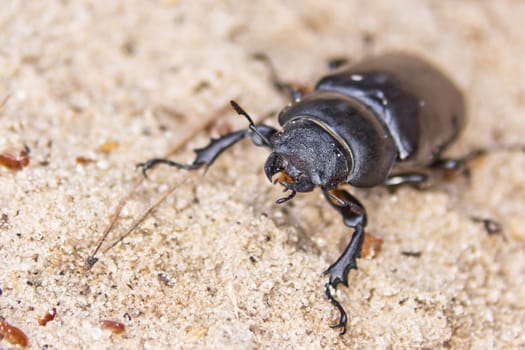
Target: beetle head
289,176
305,156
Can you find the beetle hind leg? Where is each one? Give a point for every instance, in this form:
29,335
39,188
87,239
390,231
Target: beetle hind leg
462,164
335,63
354,216
408,178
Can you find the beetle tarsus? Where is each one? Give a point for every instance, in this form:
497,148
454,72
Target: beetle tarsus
492,227
343,318
153,162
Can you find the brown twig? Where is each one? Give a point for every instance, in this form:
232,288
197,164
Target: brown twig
92,259
143,216
4,101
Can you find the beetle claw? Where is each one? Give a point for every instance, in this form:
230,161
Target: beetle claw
343,318
144,167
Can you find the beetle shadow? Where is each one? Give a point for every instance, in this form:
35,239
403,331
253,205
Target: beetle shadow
302,219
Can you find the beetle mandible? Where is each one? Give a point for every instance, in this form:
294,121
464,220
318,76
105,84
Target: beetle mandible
384,121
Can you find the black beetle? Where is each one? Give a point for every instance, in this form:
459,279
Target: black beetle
381,122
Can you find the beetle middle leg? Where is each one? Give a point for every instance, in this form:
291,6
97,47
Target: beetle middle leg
282,86
354,216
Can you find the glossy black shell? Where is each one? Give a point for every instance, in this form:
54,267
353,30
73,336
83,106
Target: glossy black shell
391,110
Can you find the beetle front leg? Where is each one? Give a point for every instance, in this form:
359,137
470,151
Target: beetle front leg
354,216
207,155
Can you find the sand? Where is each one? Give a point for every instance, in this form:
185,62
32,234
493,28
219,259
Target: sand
92,88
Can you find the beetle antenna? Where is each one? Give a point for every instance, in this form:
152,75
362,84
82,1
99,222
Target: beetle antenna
252,126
